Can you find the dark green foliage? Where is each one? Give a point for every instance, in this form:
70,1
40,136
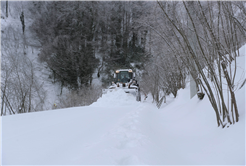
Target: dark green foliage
67,43
73,34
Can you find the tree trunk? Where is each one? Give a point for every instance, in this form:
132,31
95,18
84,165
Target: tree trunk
7,7
233,98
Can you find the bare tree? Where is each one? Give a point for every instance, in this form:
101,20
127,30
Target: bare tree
21,89
200,38
83,97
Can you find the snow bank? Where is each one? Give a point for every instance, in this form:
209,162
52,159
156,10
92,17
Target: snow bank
116,98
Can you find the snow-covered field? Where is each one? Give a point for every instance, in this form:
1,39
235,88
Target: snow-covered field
117,130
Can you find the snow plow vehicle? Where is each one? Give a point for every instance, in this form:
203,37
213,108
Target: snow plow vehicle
125,79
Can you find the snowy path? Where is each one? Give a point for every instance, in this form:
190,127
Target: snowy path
82,135
117,130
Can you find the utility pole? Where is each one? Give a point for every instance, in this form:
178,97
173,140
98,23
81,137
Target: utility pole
193,83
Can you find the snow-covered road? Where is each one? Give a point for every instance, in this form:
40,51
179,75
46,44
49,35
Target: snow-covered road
120,131
71,136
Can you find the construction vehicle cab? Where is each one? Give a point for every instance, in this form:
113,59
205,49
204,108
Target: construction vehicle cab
125,78
123,75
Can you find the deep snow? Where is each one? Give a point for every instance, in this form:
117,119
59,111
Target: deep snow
117,130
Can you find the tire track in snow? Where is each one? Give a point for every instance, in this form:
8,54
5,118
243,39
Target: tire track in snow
121,144
127,138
